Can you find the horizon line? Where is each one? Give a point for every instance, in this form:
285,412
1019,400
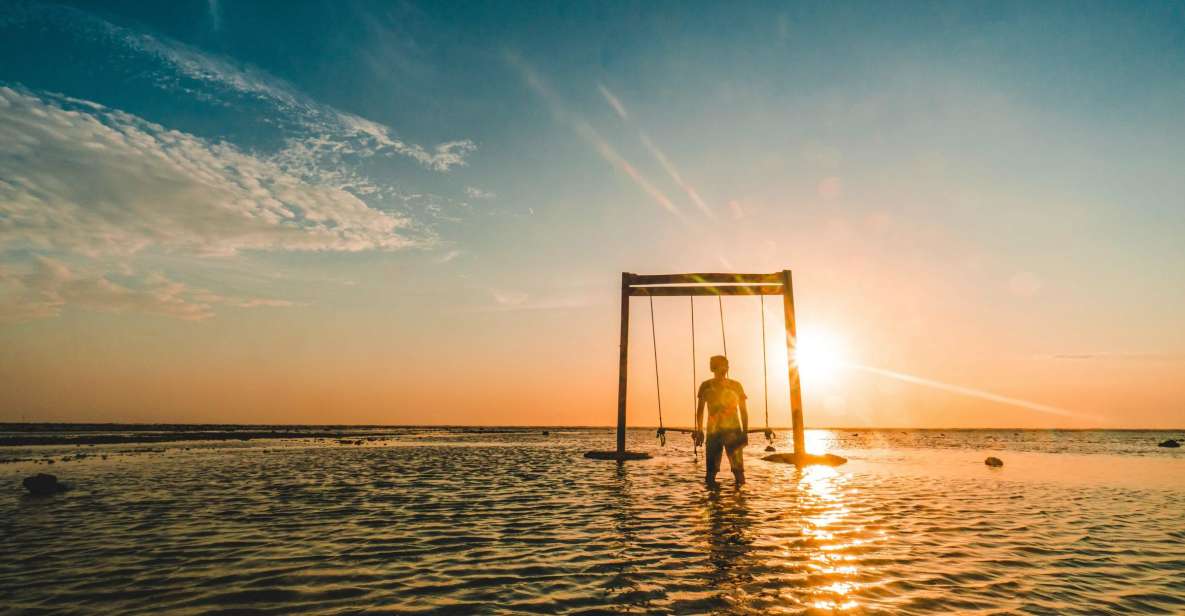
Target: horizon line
553,426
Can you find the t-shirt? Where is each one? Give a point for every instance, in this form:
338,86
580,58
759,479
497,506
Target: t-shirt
723,399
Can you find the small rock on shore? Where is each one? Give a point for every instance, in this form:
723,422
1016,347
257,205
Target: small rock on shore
993,461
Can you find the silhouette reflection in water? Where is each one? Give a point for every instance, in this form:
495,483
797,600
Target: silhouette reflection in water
730,540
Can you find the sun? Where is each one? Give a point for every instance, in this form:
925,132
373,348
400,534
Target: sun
821,355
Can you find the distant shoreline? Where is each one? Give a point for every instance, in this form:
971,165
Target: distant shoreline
116,434
80,434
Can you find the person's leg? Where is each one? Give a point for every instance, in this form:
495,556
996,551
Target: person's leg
736,463
713,449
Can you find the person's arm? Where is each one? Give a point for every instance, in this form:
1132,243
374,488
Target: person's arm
698,435
744,408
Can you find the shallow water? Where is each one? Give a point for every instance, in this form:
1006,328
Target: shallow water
453,521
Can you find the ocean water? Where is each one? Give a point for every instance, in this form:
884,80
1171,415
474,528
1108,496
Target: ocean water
468,521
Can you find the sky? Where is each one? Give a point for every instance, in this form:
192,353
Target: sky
418,213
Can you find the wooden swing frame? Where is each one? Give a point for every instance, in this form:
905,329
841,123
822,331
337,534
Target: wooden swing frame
690,285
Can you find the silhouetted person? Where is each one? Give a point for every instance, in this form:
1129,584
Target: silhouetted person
728,421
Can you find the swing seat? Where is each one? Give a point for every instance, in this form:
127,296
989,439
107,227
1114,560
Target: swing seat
806,459
619,456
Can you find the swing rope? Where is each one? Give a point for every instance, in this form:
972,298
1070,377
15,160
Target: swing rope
694,377
662,432
723,340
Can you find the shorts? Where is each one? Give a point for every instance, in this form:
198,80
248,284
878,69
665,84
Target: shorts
717,443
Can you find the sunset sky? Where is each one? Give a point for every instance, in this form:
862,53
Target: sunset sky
373,212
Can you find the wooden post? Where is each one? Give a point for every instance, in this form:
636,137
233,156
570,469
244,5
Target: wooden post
622,360
792,362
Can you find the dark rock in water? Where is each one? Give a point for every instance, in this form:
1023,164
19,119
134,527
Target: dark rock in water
770,448
807,459
43,484
620,457
546,433
1170,443
993,461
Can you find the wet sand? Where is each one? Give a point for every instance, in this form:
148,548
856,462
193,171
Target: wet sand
446,521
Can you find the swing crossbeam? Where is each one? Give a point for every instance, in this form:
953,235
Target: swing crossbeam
720,289
651,279
698,284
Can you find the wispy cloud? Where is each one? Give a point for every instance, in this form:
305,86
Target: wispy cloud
503,297
215,15
449,256
82,180
121,185
561,113
476,193
50,285
510,300
314,129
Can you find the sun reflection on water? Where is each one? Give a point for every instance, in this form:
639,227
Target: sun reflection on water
830,538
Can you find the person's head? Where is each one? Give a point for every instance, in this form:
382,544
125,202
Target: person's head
719,365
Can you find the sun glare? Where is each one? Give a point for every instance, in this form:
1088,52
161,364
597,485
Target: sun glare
820,355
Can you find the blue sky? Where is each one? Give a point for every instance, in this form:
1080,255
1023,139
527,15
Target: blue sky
385,199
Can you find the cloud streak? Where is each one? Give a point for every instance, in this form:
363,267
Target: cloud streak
560,112
972,392
613,101
1116,356
659,155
